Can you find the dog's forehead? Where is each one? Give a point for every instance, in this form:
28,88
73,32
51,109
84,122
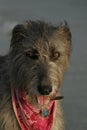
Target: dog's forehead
46,39
40,44
45,44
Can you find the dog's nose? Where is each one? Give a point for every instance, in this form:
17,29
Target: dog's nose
44,90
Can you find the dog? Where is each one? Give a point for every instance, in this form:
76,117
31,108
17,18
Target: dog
31,75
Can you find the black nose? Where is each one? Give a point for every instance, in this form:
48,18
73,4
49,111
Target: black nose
44,90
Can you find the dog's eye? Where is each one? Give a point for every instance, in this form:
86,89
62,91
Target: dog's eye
55,56
32,54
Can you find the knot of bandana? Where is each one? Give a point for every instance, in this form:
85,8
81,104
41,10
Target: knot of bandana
28,116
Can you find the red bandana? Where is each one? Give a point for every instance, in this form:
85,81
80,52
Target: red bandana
28,116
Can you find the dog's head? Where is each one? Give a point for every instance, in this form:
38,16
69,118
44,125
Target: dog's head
39,55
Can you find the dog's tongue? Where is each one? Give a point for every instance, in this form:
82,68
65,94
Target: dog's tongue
43,100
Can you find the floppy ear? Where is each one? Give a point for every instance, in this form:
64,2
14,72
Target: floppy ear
18,34
64,32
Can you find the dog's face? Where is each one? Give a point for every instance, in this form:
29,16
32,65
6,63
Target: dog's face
39,56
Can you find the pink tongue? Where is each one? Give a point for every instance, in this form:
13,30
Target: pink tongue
43,100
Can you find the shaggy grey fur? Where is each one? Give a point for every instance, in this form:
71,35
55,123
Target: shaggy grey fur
38,57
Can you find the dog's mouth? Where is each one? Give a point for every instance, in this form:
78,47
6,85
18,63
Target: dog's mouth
44,100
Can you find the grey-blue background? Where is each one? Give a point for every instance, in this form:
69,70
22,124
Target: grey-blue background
74,86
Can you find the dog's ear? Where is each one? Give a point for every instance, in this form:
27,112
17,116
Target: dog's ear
64,32
64,36
18,34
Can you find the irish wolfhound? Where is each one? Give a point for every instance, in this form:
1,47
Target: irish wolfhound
31,75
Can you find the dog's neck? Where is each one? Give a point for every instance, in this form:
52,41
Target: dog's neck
30,117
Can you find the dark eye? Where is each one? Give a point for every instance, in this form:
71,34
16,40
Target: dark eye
33,54
55,56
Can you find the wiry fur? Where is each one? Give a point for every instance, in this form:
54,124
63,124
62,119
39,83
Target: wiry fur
38,56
